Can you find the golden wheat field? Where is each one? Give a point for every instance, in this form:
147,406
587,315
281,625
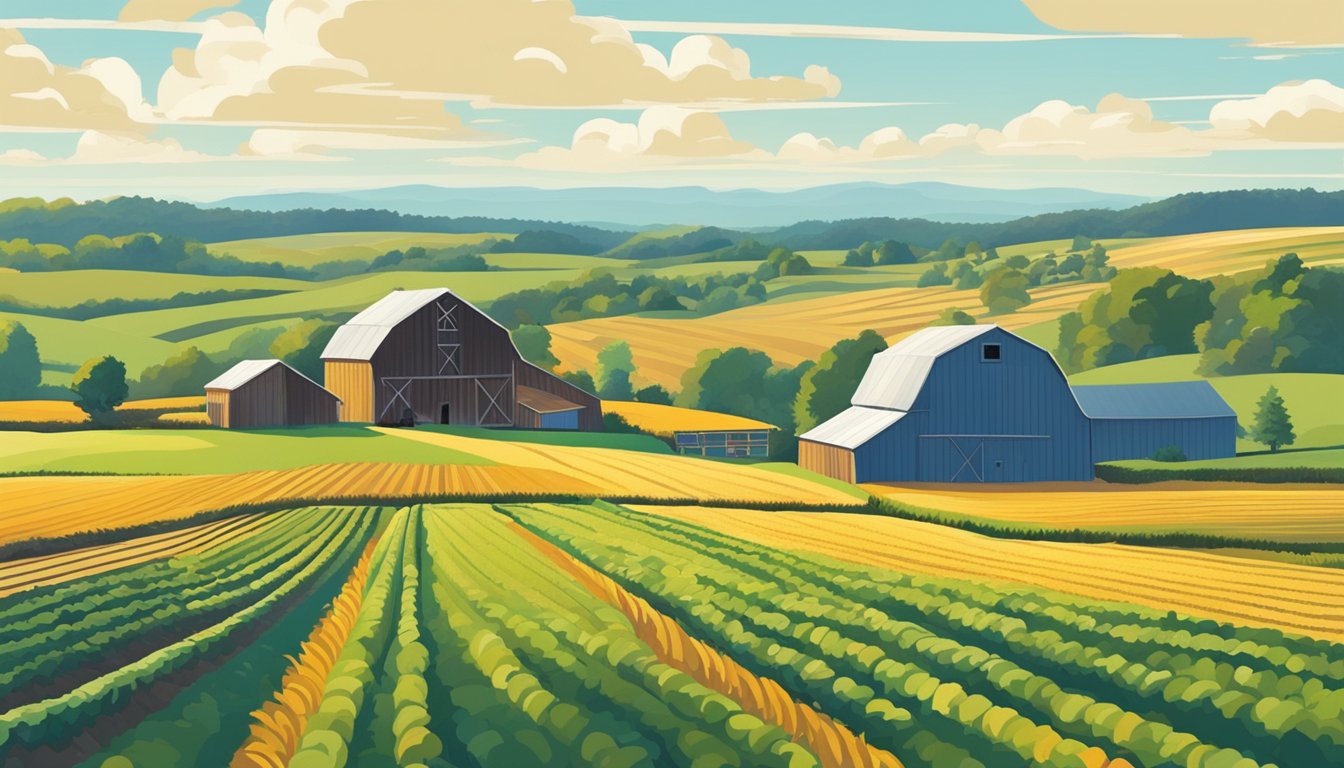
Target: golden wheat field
30,572
1280,513
1295,598
56,506
65,412
793,331
628,473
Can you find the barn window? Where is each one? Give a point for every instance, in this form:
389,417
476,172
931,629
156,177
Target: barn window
990,353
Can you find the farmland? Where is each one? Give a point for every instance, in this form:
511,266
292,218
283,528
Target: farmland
1288,514
524,634
800,329
1290,597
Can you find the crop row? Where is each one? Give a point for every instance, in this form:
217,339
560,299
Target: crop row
853,636
271,578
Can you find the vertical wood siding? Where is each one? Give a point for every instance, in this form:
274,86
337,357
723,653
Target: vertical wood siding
352,382
827,460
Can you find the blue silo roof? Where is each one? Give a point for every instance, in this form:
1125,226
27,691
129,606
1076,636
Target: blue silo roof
1171,400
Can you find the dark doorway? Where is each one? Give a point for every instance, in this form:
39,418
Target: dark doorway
444,414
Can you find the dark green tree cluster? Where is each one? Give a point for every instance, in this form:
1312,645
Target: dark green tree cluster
457,258
961,267
534,344
1089,267
953,316
745,382
20,366
100,386
826,388
600,294
1285,317
719,244
884,253
782,262
615,367
1004,291
186,372
1144,313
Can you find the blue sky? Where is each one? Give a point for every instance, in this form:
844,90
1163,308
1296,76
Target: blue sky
539,98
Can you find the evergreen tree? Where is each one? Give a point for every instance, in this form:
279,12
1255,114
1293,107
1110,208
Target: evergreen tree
1272,425
20,367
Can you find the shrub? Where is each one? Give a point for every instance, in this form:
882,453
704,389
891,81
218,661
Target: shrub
1169,453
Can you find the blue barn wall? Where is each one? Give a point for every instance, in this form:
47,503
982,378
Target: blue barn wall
1198,438
1023,401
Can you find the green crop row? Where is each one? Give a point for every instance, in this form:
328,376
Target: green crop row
57,720
842,633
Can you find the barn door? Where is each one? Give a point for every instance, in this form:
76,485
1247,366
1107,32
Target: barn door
493,401
951,459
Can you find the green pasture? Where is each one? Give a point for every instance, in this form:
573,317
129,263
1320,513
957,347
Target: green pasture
307,250
67,289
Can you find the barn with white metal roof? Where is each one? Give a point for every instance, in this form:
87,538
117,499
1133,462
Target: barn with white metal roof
976,403
429,356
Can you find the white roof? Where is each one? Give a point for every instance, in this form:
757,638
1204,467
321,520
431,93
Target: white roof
897,374
852,427
248,370
359,338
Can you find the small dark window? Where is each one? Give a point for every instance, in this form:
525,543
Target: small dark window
991,353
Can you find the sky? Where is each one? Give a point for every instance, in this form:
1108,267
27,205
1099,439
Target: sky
207,99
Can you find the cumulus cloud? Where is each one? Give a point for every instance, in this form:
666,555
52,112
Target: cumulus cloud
352,62
95,147
663,136
1118,127
1285,22
36,94
168,10
1311,111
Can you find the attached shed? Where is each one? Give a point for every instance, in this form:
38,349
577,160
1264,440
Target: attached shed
1135,421
430,356
268,393
695,432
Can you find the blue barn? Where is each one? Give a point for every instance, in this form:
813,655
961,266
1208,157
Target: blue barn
975,403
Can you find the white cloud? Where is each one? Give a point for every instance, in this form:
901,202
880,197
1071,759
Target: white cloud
663,136
95,147
1311,111
1118,127
848,32
1280,23
168,10
21,157
35,93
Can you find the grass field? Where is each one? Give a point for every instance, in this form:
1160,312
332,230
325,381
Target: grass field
1279,513
796,328
69,288
1311,398
548,634
1315,457
307,250
1264,593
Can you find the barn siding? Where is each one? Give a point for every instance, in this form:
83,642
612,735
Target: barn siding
1199,439
306,403
217,407
1023,402
828,460
352,382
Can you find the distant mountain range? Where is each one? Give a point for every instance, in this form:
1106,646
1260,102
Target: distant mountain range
643,207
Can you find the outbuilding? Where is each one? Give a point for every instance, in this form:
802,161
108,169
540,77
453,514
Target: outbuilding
429,356
268,393
976,403
695,432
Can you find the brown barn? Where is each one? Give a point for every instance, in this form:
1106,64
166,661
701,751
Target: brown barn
267,393
431,356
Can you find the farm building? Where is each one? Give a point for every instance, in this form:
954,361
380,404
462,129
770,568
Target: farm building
975,403
267,393
429,356
698,433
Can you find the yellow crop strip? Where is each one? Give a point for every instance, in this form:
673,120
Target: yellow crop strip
1281,513
1295,598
